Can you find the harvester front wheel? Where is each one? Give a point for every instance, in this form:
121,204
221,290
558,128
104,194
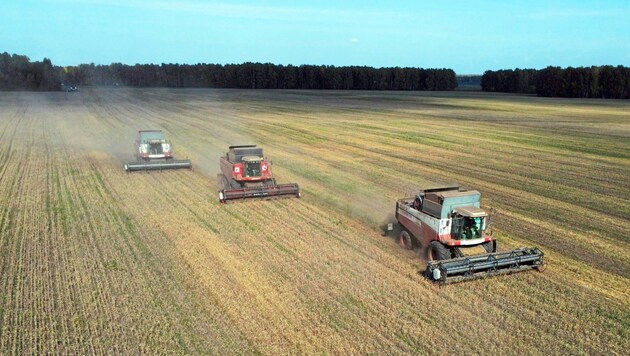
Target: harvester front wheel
490,246
437,252
405,240
223,182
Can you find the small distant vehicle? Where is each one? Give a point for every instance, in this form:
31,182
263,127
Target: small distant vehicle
245,173
69,88
444,220
154,152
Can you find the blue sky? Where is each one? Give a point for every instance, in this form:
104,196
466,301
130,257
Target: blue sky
468,36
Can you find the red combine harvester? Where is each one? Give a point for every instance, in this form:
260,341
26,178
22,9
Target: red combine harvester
246,174
442,221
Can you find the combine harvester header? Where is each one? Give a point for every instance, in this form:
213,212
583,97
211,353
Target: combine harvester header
442,221
465,268
245,173
154,152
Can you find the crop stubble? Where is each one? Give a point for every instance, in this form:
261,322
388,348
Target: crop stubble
93,259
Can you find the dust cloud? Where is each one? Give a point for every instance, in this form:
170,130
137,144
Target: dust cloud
102,123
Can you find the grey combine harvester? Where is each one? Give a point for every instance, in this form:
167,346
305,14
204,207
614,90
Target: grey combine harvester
154,152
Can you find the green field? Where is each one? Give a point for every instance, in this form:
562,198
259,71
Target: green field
96,260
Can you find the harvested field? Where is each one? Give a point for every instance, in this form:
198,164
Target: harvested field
95,260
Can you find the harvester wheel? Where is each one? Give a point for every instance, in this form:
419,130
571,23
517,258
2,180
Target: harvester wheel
223,182
490,246
437,252
405,240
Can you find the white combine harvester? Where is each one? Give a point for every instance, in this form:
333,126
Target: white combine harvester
445,220
154,152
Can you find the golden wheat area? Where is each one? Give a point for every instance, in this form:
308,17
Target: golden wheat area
94,260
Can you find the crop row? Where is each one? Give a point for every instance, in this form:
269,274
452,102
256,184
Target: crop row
95,260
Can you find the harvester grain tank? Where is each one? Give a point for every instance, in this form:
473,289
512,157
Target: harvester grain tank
442,221
154,152
245,173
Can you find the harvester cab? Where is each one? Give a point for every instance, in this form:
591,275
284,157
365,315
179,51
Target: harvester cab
468,223
252,166
154,152
245,173
155,149
444,220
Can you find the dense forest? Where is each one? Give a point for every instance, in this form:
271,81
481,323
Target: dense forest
18,73
583,82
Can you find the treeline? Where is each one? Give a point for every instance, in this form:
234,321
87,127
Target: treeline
583,82
263,76
19,73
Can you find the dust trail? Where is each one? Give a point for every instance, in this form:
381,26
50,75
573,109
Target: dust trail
103,122
203,126
86,128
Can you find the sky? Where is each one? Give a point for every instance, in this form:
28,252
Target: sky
468,36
